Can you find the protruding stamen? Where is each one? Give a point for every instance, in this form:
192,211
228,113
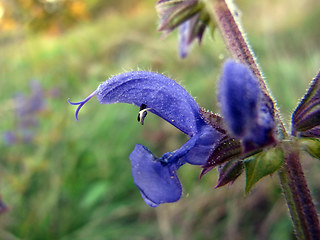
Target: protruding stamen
142,113
81,103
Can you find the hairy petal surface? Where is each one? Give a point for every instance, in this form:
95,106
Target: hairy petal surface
206,141
239,95
245,113
163,96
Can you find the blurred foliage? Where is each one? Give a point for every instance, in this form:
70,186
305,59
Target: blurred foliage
73,179
53,15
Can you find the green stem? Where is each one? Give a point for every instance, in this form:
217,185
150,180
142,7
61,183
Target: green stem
294,186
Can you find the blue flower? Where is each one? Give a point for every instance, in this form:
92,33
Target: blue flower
249,121
243,108
26,109
156,178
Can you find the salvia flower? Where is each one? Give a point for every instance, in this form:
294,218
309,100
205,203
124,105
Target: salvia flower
156,178
249,127
27,108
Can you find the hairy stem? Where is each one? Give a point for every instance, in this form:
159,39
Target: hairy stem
234,37
294,186
298,196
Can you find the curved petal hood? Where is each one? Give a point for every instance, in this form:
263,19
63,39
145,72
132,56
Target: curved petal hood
161,95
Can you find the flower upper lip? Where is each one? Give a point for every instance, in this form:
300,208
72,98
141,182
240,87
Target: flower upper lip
163,96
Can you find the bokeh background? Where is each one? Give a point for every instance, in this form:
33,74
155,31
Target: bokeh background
63,179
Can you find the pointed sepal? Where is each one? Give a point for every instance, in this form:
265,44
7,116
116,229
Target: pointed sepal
229,172
313,132
172,13
306,118
190,15
225,150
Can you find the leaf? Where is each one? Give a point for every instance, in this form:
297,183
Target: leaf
229,172
262,164
311,146
307,114
94,194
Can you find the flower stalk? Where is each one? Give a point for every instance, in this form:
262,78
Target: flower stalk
234,37
297,194
294,185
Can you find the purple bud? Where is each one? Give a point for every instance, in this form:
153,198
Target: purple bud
245,113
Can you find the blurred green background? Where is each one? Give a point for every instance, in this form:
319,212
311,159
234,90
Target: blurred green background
63,179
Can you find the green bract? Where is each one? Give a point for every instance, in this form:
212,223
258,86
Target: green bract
262,164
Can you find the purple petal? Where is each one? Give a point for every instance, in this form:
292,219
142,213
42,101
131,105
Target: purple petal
196,150
156,178
158,183
184,41
206,140
165,97
190,30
